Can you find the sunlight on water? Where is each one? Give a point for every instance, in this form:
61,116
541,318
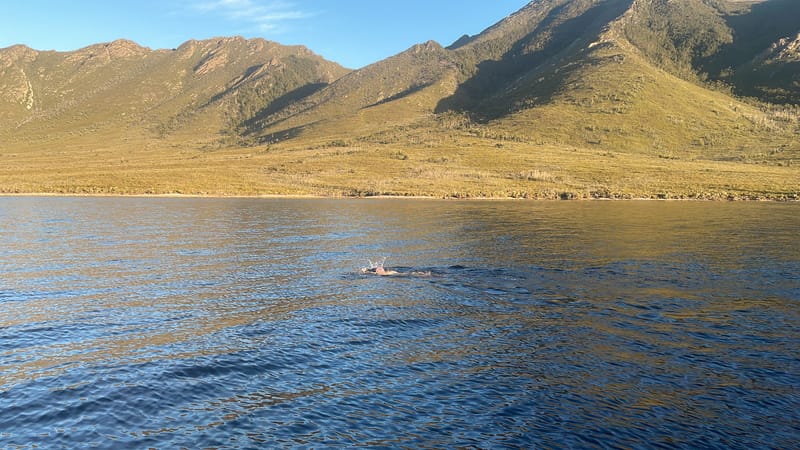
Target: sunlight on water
236,323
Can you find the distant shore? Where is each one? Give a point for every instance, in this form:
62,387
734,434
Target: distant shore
397,197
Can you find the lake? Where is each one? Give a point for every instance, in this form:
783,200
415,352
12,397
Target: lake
247,323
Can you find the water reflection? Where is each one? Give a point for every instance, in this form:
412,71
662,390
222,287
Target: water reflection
173,322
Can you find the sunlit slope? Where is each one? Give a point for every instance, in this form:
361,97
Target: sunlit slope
394,92
562,99
609,95
200,90
621,75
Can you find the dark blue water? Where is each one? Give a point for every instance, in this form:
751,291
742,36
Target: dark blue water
234,323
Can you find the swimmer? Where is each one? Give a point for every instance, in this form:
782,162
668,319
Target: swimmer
378,269
381,271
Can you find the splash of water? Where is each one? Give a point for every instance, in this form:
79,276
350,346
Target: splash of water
374,265
378,266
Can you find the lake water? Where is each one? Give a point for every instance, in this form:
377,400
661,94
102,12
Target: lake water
246,323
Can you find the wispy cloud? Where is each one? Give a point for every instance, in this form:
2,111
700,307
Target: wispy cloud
264,16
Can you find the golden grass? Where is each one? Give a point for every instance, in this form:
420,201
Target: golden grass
642,134
439,164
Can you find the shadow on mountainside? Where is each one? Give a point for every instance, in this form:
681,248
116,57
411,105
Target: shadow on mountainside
295,97
532,71
405,93
754,33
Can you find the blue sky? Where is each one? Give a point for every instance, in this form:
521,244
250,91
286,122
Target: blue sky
351,32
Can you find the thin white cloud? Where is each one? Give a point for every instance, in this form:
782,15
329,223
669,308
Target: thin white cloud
261,15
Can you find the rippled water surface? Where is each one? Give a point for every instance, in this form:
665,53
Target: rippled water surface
246,323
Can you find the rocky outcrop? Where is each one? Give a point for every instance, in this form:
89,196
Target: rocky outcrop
15,85
784,51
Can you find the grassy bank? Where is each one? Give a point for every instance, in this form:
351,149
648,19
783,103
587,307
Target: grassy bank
451,166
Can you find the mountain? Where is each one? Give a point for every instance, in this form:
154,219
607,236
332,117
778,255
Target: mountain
562,99
395,91
599,56
201,87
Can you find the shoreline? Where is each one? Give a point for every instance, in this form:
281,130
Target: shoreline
394,197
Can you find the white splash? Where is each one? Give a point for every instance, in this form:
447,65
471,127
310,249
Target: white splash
374,265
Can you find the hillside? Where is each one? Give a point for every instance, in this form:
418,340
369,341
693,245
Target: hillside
762,57
563,99
121,84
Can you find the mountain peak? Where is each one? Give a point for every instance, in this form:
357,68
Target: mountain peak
120,48
107,52
426,47
463,40
15,53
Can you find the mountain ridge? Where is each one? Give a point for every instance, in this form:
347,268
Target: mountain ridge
654,82
193,77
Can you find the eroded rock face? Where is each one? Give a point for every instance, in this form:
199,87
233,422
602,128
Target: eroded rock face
104,53
785,50
15,86
16,54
